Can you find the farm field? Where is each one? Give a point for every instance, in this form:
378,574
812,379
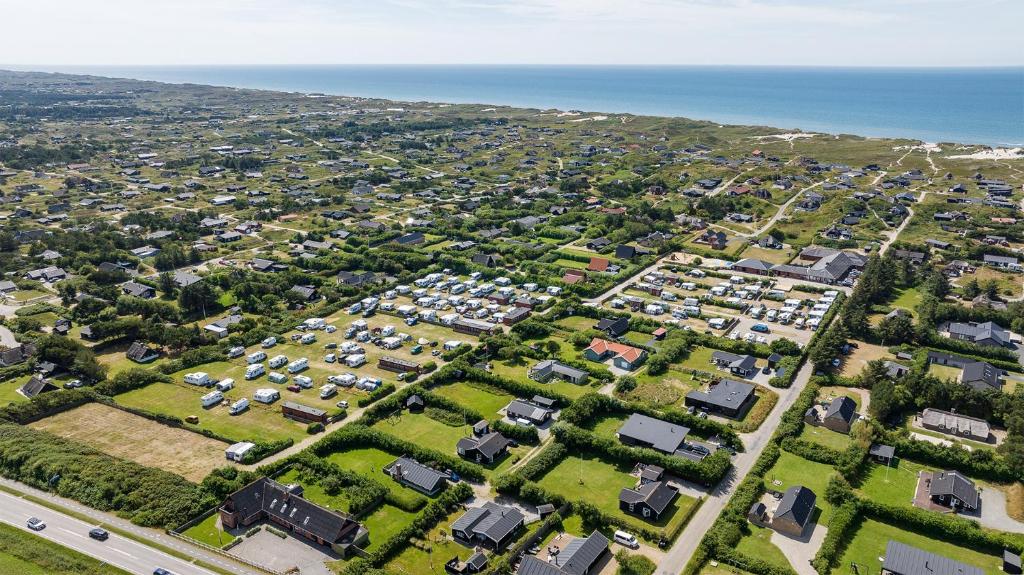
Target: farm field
132,437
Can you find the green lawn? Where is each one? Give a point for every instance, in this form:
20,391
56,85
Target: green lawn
428,555
869,541
908,299
944,371
487,400
758,544
826,437
258,422
9,390
588,478
208,531
893,485
607,425
424,431
792,470
576,323
384,522
368,461
700,359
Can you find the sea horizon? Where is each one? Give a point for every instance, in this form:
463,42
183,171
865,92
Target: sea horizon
962,105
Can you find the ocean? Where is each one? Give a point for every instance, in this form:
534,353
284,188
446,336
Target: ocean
973,106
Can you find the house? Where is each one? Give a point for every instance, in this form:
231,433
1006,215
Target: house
412,239
303,413
644,431
615,327
987,333
35,386
728,397
47,274
136,289
769,242
304,293
17,354
740,365
623,356
598,264
516,315
356,279
795,511
884,454
952,489
491,525
902,559
7,286
981,376
830,266
955,424
717,240
649,500
1004,262
549,369
581,556
475,563
624,252
397,365
916,258
895,370
753,266
486,260
483,449
473,326
415,475
1011,563
141,353
266,499
574,276
528,410
598,244
838,415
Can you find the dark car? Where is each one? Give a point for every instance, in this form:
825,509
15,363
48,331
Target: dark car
294,388
99,534
331,345
161,571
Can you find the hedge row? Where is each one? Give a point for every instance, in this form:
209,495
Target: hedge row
978,464
841,527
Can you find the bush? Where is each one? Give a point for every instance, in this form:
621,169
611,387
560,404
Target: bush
630,564
314,428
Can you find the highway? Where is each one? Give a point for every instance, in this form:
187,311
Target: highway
118,551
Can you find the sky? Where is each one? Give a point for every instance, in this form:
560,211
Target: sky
653,32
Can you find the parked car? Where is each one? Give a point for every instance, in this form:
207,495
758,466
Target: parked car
294,388
99,534
343,404
759,327
73,384
35,524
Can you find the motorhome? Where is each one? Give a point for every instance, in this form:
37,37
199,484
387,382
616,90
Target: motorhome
225,384
277,361
237,351
298,365
303,381
269,342
266,395
239,406
256,357
328,391
308,338
198,378
255,370
212,398
355,360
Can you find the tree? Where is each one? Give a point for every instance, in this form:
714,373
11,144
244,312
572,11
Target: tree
971,288
784,347
167,285
896,329
200,297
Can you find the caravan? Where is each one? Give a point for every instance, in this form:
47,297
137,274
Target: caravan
225,384
266,395
237,351
255,370
212,398
298,365
277,361
238,406
256,357
198,378
328,391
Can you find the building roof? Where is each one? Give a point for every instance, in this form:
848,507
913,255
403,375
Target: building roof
752,263
727,393
661,435
311,411
558,368
492,521
619,350
35,386
489,444
879,450
842,408
981,376
956,484
955,423
415,473
980,331
906,560
797,504
614,326
658,495
523,408
276,500
734,361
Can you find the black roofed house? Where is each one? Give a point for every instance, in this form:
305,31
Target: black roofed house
415,403
484,449
305,293
476,563
753,266
35,386
624,252
597,244
987,333
356,278
136,289
643,431
1011,563
728,397
62,326
523,409
415,475
266,499
487,260
265,265
615,327
549,369
901,559
649,500
141,353
795,511
999,261
952,489
911,256
981,376
411,239
491,525
896,370
882,453
581,556
17,354
314,246
838,415
183,278
741,365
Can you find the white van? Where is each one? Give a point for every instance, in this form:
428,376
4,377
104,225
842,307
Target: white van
212,398
328,391
303,381
626,540
198,378
277,361
308,338
266,395
298,365
269,342
225,384
256,357
239,406
255,370
237,351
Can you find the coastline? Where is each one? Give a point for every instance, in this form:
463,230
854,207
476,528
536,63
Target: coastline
664,93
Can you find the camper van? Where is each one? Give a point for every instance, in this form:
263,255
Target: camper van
344,380
225,384
237,351
303,381
277,377
266,395
212,398
298,365
308,338
256,357
355,360
277,361
626,540
255,370
328,391
239,406
314,323
198,378
269,342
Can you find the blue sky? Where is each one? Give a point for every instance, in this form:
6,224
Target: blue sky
684,32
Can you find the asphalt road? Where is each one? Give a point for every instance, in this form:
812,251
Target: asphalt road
118,551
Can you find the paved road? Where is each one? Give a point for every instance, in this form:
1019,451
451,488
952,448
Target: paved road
158,537
690,538
118,551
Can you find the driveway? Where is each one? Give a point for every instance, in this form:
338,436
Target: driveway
7,337
800,551
265,548
993,511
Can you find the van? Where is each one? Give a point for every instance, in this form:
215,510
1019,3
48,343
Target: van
255,370
256,357
328,391
626,540
237,351
303,381
771,315
212,398
225,384
298,365
198,378
269,342
308,338
239,406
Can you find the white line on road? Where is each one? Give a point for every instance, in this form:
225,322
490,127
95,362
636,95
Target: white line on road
70,532
122,552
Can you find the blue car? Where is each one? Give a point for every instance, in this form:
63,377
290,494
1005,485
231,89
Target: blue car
759,327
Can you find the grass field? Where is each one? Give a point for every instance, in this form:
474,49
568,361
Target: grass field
758,544
258,422
208,531
860,356
9,391
428,555
792,470
23,553
138,439
488,401
894,485
774,256
870,539
587,478
944,371
368,461
826,437
607,425
424,431
700,359
908,299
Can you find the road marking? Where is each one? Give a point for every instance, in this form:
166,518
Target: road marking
125,553
79,535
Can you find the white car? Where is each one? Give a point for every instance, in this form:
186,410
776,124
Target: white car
35,524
